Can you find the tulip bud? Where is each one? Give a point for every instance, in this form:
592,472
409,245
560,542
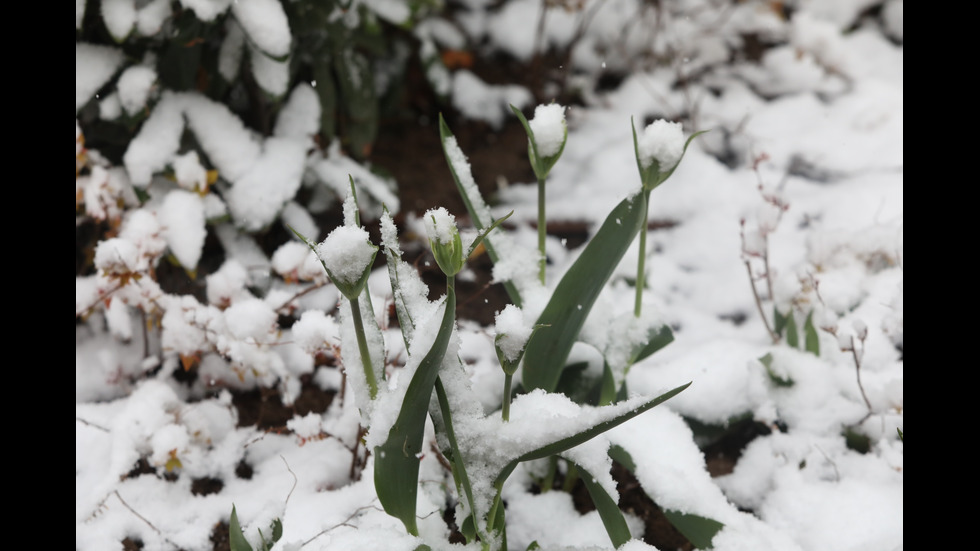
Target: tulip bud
444,239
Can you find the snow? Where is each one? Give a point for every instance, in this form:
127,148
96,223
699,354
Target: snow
135,85
440,226
548,126
94,65
818,121
266,25
512,332
662,141
182,218
347,253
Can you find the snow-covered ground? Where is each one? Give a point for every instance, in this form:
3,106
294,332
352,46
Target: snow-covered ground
802,168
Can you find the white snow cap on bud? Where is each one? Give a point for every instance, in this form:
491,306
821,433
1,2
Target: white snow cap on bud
663,141
512,331
439,225
548,126
346,252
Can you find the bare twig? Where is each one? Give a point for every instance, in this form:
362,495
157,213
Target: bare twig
295,481
141,517
758,304
346,522
90,424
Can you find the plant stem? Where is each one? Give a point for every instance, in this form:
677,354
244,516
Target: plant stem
505,406
857,370
571,478
641,261
542,231
758,304
362,346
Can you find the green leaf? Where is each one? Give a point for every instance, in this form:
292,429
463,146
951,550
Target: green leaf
355,78
276,530
326,91
608,509
812,338
476,206
396,470
773,376
577,291
901,435
607,392
459,467
697,529
623,457
180,54
569,442
662,338
236,539
779,321
792,333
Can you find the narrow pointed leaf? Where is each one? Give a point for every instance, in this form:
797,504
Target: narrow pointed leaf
792,332
697,529
779,321
569,442
810,333
608,509
661,339
459,467
236,539
476,206
396,470
577,291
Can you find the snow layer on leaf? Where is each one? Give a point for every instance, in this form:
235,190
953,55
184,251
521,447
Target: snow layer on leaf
231,51
151,16
478,100
300,116
182,218
337,169
189,173
265,23
258,196
270,74
94,65
157,141
207,10
230,146
119,17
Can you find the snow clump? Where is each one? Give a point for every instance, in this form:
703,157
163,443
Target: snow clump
663,141
346,253
440,226
548,126
512,332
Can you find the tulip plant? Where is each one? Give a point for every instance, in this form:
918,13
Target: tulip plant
483,450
